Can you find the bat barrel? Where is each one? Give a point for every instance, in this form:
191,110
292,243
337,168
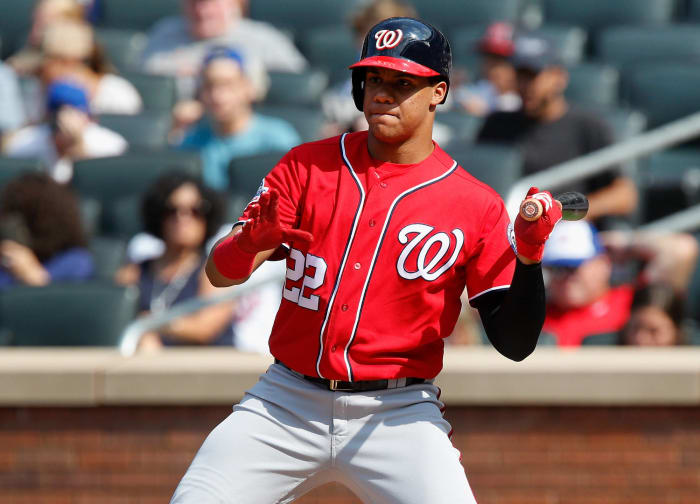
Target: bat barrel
574,205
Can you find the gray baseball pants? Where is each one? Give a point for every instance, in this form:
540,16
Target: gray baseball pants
288,436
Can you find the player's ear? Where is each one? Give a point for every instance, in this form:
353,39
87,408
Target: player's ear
439,93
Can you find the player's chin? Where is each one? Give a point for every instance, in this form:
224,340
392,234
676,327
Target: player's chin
386,133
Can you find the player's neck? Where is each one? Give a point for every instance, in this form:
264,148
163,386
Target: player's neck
411,151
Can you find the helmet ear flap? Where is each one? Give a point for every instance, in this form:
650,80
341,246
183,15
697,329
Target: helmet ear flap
358,87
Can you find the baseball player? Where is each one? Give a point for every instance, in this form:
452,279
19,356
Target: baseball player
381,231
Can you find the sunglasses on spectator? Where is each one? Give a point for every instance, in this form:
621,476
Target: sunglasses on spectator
198,211
561,270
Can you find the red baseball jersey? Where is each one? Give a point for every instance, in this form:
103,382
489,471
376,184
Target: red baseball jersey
394,246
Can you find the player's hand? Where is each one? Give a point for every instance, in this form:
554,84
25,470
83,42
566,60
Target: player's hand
263,230
530,236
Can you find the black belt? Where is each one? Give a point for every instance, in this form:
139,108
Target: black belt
356,386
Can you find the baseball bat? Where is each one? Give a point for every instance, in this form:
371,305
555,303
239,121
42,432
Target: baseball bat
574,206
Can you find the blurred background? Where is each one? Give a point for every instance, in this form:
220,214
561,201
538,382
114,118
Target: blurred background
132,134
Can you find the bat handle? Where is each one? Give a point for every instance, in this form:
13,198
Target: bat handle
531,209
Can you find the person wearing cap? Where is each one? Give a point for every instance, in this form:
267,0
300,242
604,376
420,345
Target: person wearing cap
588,294
177,45
231,128
548,130
497,89
69,134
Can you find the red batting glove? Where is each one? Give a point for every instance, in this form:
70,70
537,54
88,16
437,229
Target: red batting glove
530,236
234,257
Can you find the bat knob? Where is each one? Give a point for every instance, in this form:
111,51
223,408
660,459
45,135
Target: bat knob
531,209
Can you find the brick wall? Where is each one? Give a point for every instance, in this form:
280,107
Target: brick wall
546,455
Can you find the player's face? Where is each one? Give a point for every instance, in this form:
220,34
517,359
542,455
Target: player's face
184,225
397,105
225,90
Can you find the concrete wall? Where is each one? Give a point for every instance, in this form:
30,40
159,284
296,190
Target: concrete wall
615,426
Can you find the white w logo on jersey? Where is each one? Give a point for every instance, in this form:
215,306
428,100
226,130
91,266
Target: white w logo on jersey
432,269
386,39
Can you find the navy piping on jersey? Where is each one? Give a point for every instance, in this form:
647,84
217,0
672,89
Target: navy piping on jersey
376,254
351,237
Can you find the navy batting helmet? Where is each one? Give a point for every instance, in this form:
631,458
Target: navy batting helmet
406,45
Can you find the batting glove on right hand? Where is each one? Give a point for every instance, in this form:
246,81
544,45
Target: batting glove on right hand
530,236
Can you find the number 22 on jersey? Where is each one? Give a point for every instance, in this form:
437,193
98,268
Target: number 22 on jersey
313,270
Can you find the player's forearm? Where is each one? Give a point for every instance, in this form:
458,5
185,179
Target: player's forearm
513,325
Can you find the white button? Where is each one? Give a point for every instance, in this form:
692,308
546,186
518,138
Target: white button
383,184
357,266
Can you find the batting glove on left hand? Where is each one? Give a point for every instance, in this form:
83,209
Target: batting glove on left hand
530,236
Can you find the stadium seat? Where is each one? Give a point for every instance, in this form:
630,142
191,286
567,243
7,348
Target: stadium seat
464,127
245,176
11,168
148,130
593,84
306,120
498,166
694,11
136,14
594,15
600,339
90,215
299,16
288,88
123,47
664,91
93,314
627,45
14,27
464,41
332,49
109,255
113,180
625,123
158,92
449,14
669,181
570,41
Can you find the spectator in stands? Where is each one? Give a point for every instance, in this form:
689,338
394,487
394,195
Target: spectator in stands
497,90
70,134
71,53
28,59
41,234
12,116
656,318
549,131
231,128
583,301
177,45
183,213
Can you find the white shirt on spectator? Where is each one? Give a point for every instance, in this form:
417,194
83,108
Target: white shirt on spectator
172,51
115,95
36,142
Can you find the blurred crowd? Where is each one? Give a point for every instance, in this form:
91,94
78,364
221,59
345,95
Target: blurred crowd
148,134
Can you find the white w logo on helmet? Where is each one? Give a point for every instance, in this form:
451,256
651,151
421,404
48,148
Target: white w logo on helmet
386,39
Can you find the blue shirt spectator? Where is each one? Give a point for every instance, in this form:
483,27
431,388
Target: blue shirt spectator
73,265
263,134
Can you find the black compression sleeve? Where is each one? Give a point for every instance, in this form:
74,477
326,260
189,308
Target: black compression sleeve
513,318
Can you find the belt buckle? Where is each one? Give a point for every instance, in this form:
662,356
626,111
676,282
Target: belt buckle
333,384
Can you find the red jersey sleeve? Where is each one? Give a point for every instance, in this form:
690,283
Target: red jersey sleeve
285,179
491,262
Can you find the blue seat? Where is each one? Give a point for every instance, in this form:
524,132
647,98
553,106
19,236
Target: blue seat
330,48
135,14
245,176
158,92
15,22
287,88
147,130
306,120
593,84
498,166
664,91
464,127
123,47
109,254
11,168
625,46
299,16
88,314
594,15
448,14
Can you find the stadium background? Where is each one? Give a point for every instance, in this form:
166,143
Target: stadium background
627,435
